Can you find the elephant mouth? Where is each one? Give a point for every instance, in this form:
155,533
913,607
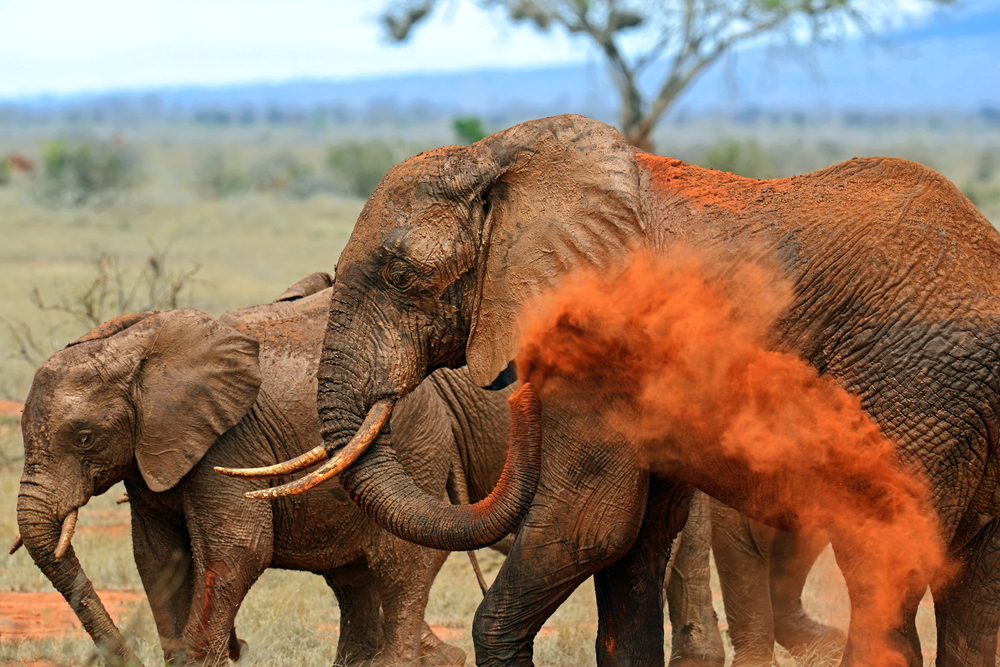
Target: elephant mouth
375,421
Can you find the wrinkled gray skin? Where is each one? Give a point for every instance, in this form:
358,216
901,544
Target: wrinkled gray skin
157,400
896,297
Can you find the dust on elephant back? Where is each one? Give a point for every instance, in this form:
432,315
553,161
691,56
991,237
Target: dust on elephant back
675,353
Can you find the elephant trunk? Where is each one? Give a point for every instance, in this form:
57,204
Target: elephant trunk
352,386
383,489
42,531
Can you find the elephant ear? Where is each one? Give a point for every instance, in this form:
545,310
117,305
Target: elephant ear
113,326
314,282
563,193
197,378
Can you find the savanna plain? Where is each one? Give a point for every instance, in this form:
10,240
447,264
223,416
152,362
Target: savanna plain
216,216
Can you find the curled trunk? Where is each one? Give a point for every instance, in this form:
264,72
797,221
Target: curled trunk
380,485
40,530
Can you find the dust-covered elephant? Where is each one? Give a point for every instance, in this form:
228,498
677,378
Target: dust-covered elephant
157,399
895,279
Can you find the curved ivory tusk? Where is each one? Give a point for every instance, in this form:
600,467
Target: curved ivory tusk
122,500
18,543
352,451
69,525
301,462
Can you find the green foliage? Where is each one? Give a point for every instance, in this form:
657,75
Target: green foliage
468,129
280,174
744,158
216,178
983,189
4,172
361,165
80,172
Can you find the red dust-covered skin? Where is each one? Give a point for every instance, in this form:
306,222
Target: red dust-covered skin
674,351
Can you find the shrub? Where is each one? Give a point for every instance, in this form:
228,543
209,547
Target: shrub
284,174
112,290
744,158
215,177
362,165
76,173
468,129
4,172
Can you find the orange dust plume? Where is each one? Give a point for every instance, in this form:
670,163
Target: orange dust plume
678,354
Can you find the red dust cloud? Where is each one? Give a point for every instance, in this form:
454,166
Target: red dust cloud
676,352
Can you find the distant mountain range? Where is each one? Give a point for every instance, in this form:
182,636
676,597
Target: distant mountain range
944,65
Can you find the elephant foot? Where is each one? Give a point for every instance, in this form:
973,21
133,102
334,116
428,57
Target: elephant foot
238,650
436,653
695,662
800,634
696,647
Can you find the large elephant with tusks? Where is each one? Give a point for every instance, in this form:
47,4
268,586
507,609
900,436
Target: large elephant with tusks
895,297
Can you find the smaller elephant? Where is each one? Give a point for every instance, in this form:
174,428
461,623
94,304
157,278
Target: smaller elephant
158,399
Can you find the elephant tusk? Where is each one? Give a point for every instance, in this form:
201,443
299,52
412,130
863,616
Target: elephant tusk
122,500
377,418
18,543
69,525
314,455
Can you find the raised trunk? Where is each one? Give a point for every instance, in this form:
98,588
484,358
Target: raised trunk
40,529
380,485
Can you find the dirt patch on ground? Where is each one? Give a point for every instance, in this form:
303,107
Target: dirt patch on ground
38,615
10,408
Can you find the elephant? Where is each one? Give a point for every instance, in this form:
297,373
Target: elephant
464,445
894,279
157,399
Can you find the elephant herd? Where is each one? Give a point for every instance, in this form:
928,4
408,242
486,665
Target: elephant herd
395,377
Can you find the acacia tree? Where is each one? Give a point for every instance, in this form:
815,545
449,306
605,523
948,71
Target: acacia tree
684,35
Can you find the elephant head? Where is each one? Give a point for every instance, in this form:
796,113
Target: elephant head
142,396
443,255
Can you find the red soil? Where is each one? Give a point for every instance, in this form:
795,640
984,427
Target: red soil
38,615
10,408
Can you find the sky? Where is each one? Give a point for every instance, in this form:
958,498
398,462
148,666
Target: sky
71,46
68,46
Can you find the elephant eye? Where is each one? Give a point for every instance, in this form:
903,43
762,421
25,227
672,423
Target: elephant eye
399,275
85,439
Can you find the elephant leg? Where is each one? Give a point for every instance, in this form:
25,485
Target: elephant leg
742,549
695,639
163,559
403,573
226,564
630,627
358,599
586,514
433,651
436,653
792,557
967,607
860,649
220,584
